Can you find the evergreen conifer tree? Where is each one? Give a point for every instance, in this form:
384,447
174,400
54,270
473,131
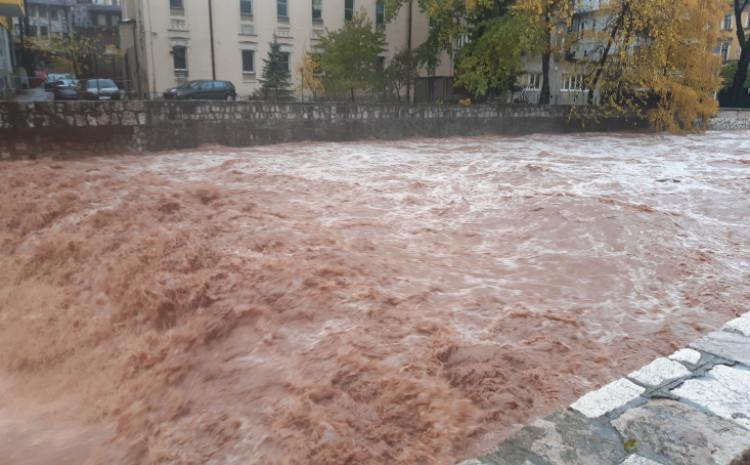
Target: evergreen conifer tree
275,83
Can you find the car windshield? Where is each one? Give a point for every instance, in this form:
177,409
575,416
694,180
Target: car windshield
101,83
194,84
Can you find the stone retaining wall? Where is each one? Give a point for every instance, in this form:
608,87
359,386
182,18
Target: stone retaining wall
30,130
731,119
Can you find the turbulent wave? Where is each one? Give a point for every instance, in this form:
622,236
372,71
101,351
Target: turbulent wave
405,303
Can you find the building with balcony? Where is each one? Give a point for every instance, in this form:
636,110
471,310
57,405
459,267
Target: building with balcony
50,18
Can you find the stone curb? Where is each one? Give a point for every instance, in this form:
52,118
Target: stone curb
689,408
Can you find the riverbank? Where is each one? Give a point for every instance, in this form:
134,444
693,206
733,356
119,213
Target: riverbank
689,408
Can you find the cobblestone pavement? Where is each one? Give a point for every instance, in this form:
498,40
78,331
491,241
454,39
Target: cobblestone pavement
690,408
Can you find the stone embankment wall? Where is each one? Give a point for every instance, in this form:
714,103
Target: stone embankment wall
689,408
731,119
41,129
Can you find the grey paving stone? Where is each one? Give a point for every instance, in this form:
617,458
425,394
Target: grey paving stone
659,371
682,434
686,355
636,459
725,344
724,390
564,438
741,324
610,397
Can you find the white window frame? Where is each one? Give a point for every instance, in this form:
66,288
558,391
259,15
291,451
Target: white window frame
572,83
728,22
532,81
317,5
242,56
251,9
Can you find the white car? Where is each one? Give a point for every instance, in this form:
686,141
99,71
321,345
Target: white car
54,79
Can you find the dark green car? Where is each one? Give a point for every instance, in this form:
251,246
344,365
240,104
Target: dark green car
202,90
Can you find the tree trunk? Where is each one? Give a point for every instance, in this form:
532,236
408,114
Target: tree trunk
544,96
738,85
351,89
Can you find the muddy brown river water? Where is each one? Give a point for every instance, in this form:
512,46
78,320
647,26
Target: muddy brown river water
406,303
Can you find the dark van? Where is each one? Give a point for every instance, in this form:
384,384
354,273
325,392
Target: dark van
203,90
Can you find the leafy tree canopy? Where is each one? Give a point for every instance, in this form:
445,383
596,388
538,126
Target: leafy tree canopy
350,56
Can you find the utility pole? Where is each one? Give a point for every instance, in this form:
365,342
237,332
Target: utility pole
211,33
411,56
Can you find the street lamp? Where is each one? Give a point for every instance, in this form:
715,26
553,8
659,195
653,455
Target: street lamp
131,21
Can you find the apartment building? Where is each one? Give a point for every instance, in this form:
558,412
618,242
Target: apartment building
9,10
180,40
729,49
50,18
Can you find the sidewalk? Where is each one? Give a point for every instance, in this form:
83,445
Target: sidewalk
37,94
691,408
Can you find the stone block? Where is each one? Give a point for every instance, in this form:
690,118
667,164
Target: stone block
128,118
610,397
658,372
686,355
682,434
724,344
564,438
636,459
741,325
724,390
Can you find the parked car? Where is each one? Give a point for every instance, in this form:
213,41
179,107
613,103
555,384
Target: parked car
203,90
101,89
53,78
64,91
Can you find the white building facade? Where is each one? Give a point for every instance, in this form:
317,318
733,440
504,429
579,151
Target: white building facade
174,37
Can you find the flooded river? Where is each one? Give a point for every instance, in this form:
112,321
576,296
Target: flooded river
407,303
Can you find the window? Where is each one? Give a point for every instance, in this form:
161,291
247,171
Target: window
284,59
248,62
348,9
101,20
44,31
176,6
728,22
179,58
282,9
725,51
380,13
317,10
572,82
533,81
246,8
53,15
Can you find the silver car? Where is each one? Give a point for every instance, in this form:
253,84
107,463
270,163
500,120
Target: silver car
101,89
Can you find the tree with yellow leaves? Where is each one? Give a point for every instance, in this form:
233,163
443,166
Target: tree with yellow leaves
310,71
657,59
